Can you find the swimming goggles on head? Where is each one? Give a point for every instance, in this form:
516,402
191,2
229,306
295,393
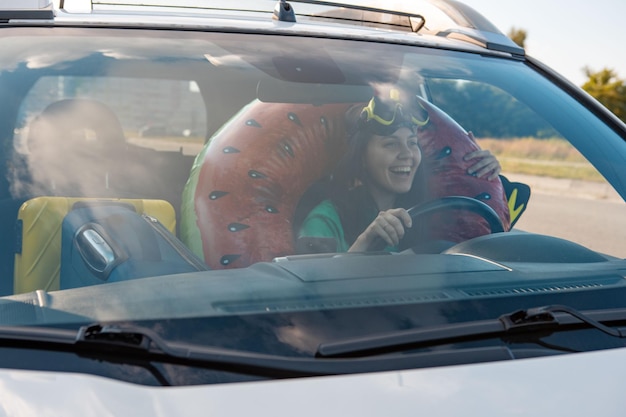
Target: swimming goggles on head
384,118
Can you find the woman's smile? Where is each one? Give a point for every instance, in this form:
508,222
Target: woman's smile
402,170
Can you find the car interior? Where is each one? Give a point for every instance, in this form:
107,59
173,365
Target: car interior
128,180
62,227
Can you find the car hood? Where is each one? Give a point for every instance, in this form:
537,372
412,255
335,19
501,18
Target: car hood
569,385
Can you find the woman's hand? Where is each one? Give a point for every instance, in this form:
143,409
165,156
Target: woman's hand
388,225
487,165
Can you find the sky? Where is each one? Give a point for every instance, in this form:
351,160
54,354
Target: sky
567,35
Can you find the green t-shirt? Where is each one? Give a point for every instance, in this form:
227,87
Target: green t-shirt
324,222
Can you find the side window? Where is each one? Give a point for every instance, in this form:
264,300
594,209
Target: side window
80,136
161,114
566,190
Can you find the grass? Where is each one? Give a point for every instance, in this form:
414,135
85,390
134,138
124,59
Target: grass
543,157
554,158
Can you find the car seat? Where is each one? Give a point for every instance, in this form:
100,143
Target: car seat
50,228
79,157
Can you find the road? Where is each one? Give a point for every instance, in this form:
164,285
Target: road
587,213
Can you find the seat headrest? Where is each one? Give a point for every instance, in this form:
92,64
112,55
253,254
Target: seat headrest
72,145
76,120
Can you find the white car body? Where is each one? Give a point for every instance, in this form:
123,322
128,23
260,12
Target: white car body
568,385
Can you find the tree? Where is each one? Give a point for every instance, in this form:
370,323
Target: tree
518,36
487,111
608,89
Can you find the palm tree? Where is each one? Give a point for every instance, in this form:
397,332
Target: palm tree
518,36
608,89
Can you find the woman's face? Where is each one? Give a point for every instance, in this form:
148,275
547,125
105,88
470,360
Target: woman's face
391,162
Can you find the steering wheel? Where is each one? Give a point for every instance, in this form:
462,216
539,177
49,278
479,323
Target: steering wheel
455,203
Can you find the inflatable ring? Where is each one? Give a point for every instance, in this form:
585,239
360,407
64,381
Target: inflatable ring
245,185
444,143
239,203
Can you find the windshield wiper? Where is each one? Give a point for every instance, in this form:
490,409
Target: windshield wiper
141,346
124,342
546,315
538,319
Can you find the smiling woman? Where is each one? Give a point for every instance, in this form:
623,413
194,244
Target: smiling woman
381,176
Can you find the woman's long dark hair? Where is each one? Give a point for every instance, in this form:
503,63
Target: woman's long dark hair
345,186
353,201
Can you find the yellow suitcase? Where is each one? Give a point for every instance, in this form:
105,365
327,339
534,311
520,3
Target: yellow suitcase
38,258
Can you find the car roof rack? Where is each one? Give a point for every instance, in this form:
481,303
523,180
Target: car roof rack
353,13
444,18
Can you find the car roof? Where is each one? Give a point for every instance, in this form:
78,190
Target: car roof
444,24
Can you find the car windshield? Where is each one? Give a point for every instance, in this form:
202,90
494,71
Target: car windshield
237,190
